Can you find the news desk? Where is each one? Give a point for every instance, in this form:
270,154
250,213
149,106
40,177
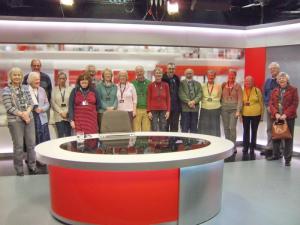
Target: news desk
138,178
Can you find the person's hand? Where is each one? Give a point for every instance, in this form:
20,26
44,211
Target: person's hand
268,109
150,115
277,116
191,104
237,114
27,121
63,115
167,115
283,117
134,113
72,123
25,116
38,110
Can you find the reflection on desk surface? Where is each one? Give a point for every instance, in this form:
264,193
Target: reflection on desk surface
135,145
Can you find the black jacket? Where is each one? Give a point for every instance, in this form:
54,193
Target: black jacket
173,83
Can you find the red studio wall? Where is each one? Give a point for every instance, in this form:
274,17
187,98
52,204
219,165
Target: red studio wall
255,64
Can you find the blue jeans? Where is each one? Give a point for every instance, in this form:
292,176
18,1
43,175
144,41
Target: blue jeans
63,128
189,121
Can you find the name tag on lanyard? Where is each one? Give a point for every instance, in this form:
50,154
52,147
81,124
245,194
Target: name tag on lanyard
84,102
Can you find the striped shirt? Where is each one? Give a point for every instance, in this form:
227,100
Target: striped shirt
12,103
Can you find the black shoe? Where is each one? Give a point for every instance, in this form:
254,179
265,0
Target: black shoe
40,164
20,173
245,156
234,151
287,163
252,156
273,158
32,171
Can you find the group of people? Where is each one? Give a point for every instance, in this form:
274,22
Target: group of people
165,104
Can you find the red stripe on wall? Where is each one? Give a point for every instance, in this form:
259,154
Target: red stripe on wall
255,64
199,70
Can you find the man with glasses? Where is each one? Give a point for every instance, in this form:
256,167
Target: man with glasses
92,71
190,93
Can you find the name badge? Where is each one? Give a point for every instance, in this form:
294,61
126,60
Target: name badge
84,102
247,104
107,99
63,105
121,101
209,99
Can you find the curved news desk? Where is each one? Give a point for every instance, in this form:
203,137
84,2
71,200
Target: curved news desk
136,178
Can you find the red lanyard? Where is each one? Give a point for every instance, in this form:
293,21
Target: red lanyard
230,88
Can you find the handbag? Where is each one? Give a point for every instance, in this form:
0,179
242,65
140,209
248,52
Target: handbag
280,130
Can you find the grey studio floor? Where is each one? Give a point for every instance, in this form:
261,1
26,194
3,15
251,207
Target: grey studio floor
254,193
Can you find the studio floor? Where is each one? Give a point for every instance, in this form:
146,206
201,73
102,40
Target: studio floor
256,192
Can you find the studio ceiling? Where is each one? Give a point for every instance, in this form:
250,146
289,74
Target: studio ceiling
220,12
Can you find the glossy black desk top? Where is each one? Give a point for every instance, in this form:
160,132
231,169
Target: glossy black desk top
125,145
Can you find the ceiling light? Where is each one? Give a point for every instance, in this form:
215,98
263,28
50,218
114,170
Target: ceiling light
67,2
172,7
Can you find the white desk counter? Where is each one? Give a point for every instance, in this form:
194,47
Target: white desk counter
136,178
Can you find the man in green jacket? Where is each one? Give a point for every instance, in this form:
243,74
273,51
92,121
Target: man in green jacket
141,121
190,94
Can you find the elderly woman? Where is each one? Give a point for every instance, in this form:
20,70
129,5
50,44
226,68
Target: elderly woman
18,104
209,122
158,102
41,105
107,91
252,111
60,105
232,95
83,106
283,105
126,94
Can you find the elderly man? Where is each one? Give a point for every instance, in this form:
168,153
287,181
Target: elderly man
270,85
190,94
92,71
173,81
141,122
36,66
